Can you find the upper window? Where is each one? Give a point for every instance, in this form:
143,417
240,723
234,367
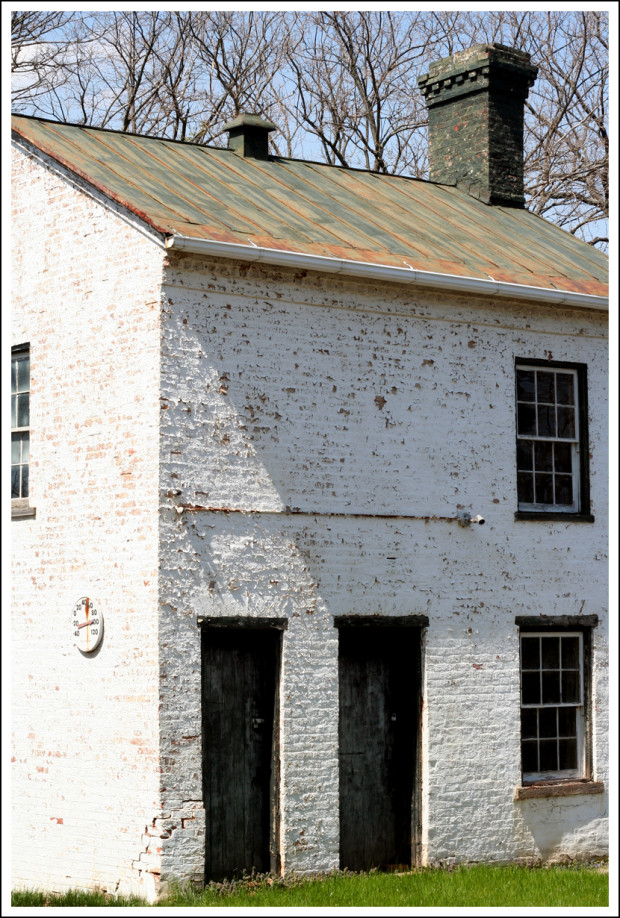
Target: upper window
20,422
552,705
551,438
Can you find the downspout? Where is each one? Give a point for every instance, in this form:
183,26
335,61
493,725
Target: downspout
398,275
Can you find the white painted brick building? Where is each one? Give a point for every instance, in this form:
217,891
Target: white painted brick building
291,444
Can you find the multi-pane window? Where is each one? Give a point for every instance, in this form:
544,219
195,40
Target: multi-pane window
552,705
548,466
20,422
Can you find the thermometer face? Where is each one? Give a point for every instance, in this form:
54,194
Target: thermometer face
87,625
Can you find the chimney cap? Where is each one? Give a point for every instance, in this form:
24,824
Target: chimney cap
492,51
470,69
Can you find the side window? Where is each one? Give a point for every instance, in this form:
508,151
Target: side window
554,690
20,422
552,443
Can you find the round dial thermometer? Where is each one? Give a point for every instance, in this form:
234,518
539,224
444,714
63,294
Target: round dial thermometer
87,625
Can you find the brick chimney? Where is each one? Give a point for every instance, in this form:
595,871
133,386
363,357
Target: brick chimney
248,135
475,102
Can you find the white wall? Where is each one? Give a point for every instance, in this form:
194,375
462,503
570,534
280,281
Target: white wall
85,783
336,398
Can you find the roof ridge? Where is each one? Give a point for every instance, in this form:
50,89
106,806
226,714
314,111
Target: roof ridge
205,146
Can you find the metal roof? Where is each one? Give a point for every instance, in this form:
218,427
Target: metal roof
297,206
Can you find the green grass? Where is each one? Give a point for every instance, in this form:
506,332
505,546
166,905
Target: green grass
481,885
76,897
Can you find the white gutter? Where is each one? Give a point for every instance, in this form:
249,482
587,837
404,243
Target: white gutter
404,275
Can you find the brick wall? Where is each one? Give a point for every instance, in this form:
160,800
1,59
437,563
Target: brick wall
335,398
477,144
85,782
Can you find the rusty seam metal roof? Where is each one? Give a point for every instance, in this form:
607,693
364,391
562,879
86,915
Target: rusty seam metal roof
329,215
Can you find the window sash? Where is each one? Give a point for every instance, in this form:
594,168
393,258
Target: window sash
529,743
529,476
20,422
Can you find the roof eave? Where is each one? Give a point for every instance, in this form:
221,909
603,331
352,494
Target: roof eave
370,271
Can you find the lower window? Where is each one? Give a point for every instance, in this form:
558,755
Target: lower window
554,740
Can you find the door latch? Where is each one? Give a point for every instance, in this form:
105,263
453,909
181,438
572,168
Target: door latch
257,721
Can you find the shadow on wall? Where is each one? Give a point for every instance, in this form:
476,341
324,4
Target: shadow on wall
275,406
280,407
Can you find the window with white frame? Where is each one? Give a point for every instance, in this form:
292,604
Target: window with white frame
550,453
553,729
20,422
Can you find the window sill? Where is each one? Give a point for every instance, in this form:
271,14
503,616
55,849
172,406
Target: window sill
553,516
22,510
559,789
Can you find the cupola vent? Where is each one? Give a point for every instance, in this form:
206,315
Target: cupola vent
248,135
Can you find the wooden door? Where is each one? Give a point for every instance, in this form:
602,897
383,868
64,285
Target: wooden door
378,728
240,675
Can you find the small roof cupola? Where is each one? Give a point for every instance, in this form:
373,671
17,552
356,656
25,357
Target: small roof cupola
248,135
476,100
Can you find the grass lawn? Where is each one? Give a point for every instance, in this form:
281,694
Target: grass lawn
481,885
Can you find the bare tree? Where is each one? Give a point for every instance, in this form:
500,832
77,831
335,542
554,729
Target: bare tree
37,51
354,79
121,66
240,55
177,61
566,136
567,144
122,70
